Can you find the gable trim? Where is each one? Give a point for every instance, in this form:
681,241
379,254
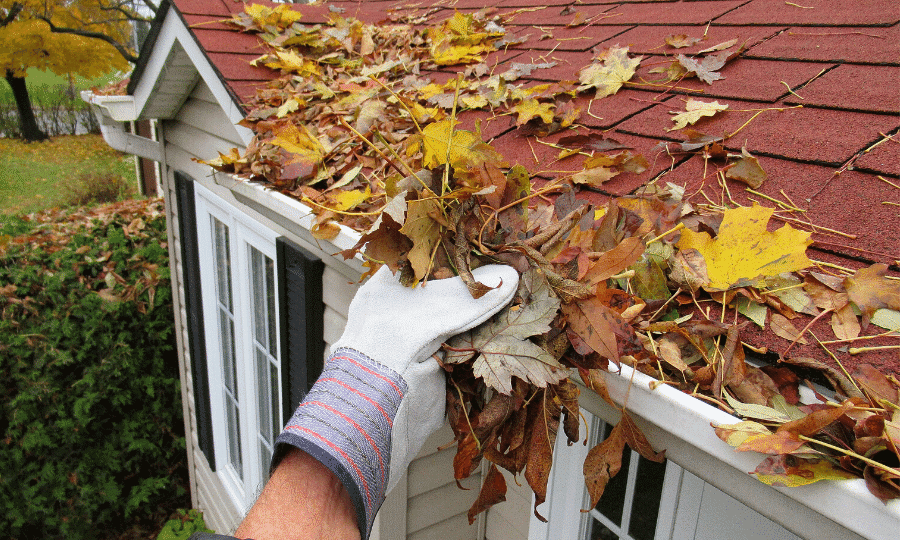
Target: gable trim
172,36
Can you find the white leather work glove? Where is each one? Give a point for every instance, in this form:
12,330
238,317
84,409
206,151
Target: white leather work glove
381,394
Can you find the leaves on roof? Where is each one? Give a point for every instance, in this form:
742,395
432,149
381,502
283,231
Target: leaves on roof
366,128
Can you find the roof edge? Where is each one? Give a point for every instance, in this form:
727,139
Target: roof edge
147,46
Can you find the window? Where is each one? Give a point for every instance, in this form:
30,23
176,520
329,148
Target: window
644,501
638,503
237,268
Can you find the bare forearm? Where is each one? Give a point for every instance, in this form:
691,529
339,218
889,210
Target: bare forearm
302,501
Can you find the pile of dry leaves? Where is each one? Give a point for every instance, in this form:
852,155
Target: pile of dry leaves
358,131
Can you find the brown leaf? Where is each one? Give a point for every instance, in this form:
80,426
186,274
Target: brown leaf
815,421
567,393
747,170
876,481
493,491
781,442
783,328
680,41
870,290
467,458
845,324
615,260
596,324
637,441
591,142
593,379
540,448
496,412
876,384
603,462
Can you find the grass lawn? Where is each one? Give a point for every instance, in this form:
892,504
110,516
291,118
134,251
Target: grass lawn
36,176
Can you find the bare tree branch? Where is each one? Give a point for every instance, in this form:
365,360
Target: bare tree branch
13,12
95,35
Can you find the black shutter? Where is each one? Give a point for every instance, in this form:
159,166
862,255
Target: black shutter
301,325
193,300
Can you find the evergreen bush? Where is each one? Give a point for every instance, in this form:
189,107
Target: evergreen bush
92,433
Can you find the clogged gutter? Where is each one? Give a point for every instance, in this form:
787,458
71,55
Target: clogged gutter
361,128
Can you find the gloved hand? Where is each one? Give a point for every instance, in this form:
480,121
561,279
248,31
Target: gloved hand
381,394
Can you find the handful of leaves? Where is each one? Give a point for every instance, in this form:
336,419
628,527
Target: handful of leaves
355,132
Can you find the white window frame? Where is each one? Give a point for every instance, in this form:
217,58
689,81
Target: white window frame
681,514
567,496
244,232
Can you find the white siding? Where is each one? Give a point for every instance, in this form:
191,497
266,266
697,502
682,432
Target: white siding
509,519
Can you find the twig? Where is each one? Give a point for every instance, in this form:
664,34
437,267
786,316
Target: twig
786,85
885,180
851,453
377,150
670,231
888,334
860,350
807,327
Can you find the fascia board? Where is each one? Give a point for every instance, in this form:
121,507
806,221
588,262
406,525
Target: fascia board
174,30
680,424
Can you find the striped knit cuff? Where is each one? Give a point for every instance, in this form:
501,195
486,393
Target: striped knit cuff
345,423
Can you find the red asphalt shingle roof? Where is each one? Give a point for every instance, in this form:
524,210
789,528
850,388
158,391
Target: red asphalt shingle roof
839,59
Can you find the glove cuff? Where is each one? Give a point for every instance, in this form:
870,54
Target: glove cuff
345,422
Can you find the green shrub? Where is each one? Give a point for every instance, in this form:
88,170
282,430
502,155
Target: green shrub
99,188
92,434
181,527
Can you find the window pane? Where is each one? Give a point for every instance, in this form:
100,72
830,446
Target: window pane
234,436
223,262
229,362
265,457
265,395
257,278
647,494
600,531
270,304
276,404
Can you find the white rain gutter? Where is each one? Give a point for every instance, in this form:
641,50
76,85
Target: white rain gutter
680,424
671,419
111,112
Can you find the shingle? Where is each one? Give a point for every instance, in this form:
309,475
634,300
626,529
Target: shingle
815,12
804,134
830,44
651,39
875,88
883,159
670,13
762,80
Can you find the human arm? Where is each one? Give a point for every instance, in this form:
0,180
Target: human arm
381,394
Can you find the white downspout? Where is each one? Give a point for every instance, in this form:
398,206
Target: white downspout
111,112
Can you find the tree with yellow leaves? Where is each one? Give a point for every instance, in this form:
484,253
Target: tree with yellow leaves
68,37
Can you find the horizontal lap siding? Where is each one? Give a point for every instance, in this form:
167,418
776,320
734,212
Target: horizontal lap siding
509,519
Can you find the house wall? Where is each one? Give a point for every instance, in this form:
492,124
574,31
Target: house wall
428,504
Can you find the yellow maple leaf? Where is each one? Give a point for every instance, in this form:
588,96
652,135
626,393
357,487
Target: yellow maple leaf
292,62
281,16
443,144
695,110
531,108
745,252
301,143
609,71
344,200
425,233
